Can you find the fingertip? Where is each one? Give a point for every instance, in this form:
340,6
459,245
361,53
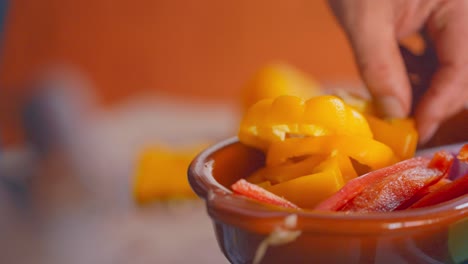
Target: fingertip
426,131
383,71
390,106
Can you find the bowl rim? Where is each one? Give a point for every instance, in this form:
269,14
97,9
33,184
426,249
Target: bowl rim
223,205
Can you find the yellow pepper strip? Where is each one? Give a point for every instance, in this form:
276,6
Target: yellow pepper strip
364,150
273,120
337,160
161,173
346,167
275,80
307,191
249,133
258,176
287,171
398,134
264,184
332,113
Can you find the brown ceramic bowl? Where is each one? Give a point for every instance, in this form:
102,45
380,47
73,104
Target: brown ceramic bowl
424,235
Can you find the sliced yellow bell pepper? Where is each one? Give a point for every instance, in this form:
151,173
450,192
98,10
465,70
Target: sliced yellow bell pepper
366,151
288,171
332,113
398,134
346,167
273,120
264,184
307,191
314,147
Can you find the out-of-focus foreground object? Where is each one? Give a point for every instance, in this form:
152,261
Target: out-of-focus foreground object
278,79
68,191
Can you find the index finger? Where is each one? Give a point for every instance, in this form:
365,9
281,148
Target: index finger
371,30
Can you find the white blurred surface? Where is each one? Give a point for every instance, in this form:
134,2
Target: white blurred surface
75,204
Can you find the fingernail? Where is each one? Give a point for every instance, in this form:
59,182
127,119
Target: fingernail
426,134
390,106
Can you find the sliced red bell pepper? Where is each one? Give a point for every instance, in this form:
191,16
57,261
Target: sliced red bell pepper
441,161
388,188
447,192
423,192
356,185
390,192
255,192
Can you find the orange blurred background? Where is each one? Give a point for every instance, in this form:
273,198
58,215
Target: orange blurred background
202,50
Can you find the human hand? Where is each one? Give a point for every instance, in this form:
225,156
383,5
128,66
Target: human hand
375,28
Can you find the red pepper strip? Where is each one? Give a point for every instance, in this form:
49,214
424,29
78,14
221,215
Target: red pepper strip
447,192
463,154
255,192
424,192
441,161
356,185
388,188
390,192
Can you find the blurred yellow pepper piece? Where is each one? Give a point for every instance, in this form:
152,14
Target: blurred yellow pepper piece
161,173
275,80
272,120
